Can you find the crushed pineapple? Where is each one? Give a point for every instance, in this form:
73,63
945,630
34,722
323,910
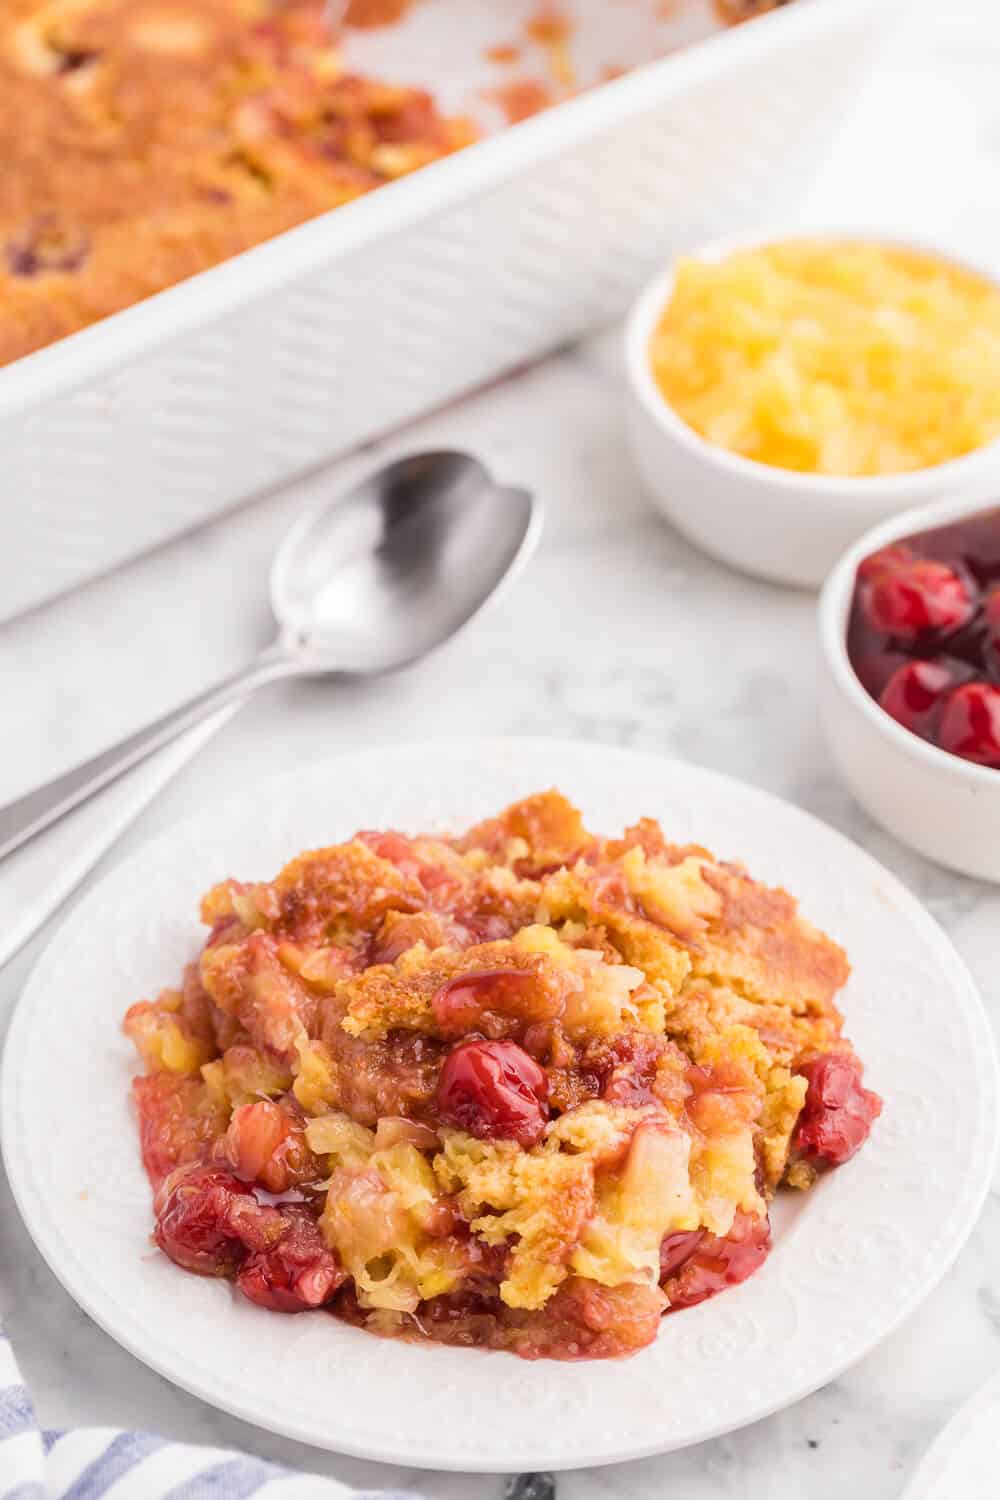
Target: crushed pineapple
652,1197
379,1211
569,895
541,1199
722,1175
342,1139
676,895
315,1084
786,1094
164,1046
243,1074
602,1001
833,357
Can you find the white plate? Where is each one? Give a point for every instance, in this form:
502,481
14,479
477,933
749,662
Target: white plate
962,1462
850,1260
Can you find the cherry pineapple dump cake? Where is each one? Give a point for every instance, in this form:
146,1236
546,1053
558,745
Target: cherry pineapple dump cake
527,1089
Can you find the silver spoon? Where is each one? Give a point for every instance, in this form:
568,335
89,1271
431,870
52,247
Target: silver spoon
363,584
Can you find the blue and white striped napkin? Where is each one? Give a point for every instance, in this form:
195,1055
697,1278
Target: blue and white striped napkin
106,1463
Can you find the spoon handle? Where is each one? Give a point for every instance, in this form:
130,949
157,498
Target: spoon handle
27,816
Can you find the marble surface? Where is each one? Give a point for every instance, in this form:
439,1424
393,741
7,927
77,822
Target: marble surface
619,632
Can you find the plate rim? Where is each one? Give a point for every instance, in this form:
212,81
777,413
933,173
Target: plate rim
933,1463
161,1361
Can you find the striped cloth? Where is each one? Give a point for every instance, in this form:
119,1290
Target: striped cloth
105,1463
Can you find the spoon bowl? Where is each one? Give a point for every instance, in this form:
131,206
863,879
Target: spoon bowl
375,579
363,584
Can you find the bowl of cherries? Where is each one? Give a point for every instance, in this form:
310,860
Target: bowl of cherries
909,624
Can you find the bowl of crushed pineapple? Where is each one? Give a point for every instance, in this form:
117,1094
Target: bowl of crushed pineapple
790,391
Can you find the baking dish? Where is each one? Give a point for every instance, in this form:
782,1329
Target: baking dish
148,423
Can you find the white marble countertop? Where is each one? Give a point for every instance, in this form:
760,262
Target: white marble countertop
674,654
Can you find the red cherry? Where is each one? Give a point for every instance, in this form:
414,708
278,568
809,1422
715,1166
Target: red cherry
206,1220
402,852
838,1112
223,931
874,668
677,1249
175,1126
298,1273
625,1068
970,723
921,596
493,1090
886,560
991,645
914,693
267,1145
714,1262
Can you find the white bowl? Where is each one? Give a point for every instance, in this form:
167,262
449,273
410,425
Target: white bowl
775,523
943,806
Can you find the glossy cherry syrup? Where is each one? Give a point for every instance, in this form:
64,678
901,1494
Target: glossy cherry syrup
924,635
696,1265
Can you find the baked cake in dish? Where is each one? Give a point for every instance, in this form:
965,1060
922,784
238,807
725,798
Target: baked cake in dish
526,1089
145,140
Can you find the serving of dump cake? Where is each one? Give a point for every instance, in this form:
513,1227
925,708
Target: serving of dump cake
527,1089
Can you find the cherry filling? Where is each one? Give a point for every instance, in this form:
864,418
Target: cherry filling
298,1273
838,1112
970,723
72,59
46,247
209,1222
696,1265
885,561
915,694
401,852
497,1002
906,598
924,635
991,643
624,1068
176,1127
395,847
493,1090
267,1145
206,1220
677,1250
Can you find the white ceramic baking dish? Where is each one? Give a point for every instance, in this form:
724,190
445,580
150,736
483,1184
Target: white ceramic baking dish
151,421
